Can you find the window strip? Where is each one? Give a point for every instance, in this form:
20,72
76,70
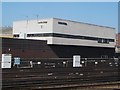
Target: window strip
70,36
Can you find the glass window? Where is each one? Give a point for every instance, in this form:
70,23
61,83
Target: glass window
99,40
16,35
42,22
62,23
105,41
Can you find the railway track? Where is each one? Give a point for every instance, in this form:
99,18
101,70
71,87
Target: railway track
58,77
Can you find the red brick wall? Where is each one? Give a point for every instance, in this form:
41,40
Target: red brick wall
118,39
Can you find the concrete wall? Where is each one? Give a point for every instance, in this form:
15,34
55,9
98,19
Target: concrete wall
80,42
82,29
32,26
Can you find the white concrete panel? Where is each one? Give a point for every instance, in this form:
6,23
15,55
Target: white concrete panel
33,26
83,29
80,42
48,39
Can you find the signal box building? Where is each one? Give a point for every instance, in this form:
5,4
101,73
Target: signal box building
66,38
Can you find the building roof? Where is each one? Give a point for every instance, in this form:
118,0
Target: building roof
86,23
72,21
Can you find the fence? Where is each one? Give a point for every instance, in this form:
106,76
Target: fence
64,62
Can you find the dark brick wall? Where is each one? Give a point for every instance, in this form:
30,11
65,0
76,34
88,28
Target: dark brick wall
84,51
25,48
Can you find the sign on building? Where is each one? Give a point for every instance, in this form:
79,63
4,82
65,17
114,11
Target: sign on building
6,61
16,61
76,61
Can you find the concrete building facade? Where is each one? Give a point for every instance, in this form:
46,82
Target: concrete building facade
65,32
68,36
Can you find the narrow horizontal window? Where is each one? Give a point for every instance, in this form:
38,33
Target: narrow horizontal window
42,22
106,41
16,35
99,40
40,35
62,23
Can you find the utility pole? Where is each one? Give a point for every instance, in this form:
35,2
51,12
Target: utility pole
37,17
